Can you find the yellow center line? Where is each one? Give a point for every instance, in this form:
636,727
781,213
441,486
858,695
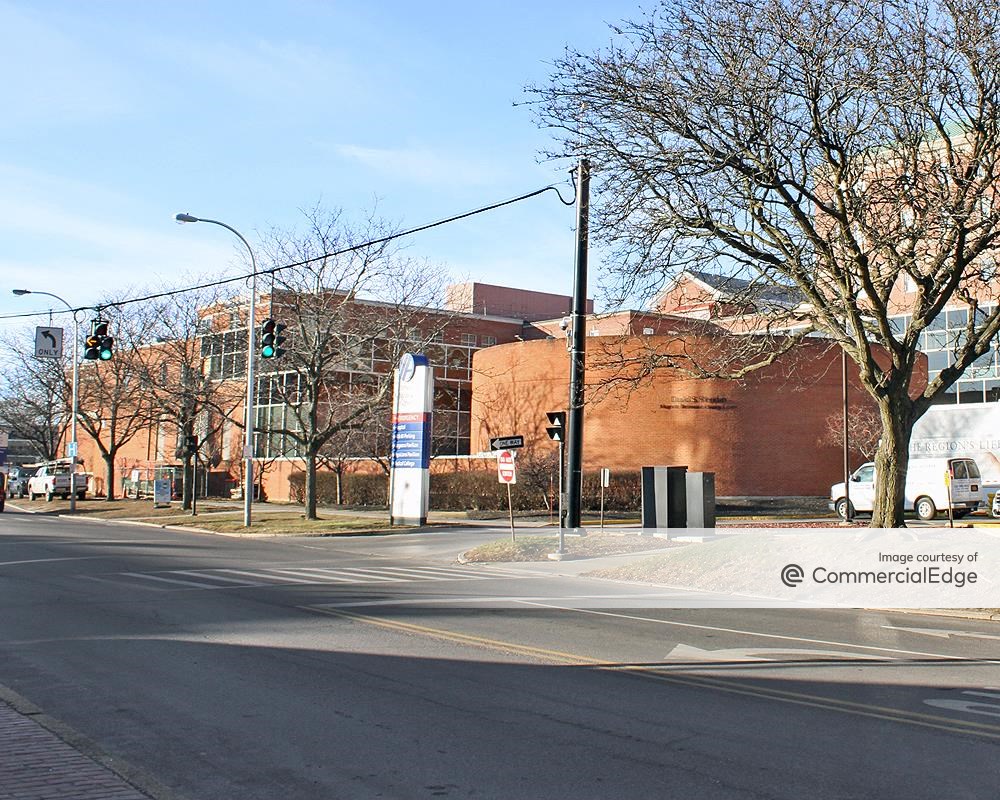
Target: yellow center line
657,673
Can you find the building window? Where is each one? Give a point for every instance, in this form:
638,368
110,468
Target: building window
469,339
487,340
225,353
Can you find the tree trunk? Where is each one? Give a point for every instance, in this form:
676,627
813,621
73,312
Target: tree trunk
339,473
891,461
109,475
311,484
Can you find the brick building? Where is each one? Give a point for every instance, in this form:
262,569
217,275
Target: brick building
761,435
458,333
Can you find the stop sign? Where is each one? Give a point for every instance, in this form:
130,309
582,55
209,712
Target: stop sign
506,471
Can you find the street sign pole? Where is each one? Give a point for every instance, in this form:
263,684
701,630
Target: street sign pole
507,473
510,510
562,520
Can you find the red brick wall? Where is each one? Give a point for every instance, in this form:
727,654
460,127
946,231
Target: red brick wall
760,436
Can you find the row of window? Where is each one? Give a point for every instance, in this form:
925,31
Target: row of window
980,383
225,355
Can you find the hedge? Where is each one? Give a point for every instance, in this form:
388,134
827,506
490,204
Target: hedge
472,491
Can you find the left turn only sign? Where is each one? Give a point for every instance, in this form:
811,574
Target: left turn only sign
506,471
48,342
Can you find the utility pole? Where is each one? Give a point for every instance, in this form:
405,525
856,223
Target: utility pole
578,338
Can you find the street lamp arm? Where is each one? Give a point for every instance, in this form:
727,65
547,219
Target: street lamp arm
20,292
230,228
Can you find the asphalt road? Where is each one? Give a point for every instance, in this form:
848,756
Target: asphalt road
378,667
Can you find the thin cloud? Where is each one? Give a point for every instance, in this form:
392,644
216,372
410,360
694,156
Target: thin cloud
421,165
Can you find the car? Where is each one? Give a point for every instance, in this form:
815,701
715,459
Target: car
17,480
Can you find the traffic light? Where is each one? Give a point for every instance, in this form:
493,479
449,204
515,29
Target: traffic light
557,425
191,444
98,345
271,339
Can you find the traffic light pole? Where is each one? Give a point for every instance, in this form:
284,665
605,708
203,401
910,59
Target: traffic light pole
76,401
76,391
578,334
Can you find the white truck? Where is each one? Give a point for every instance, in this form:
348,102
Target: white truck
54,478
931,483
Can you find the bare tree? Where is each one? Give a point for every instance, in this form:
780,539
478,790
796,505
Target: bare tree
351,312
193,363
864,429
844,153
114,402
35,395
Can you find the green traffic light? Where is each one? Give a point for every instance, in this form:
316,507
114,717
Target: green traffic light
268,351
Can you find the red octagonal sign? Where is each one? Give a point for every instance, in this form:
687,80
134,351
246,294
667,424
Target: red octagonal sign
506,471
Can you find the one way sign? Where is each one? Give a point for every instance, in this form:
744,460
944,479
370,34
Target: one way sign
507,443
48,342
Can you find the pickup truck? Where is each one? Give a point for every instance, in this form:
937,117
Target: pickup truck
55,479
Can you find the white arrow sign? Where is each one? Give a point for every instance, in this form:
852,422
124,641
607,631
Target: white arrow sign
48,342
943,634
685,652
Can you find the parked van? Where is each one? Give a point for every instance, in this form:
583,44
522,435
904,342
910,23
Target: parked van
927,488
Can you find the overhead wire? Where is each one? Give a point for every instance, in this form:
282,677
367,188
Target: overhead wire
272,270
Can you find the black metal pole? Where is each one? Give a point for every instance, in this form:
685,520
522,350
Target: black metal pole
578,332
847,461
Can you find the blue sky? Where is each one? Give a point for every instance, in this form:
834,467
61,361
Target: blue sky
117,114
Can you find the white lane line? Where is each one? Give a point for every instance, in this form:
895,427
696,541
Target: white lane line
175,581
778,636
44,560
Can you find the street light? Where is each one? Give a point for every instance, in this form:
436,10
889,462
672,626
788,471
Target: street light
251,323
76,383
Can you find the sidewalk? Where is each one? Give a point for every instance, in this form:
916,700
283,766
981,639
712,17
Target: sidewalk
35,764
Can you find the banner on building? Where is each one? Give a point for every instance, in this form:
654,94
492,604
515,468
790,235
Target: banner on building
966,430
412,410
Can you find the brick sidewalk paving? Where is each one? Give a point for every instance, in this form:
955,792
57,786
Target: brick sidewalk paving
35,764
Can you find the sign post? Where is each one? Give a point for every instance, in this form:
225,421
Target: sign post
507,473
605,483
947,483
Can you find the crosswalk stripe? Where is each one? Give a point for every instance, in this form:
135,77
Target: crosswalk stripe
273,576
207,574
369,574
262,574
430,573
319,575
176,581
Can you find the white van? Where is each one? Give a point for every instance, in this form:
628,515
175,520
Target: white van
926,490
